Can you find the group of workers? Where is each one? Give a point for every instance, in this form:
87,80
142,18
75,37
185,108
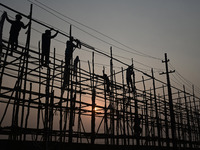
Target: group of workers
17,25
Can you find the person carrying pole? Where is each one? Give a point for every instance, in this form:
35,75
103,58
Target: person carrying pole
16,26
46,42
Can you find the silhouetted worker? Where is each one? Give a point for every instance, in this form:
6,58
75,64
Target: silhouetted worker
107,82
70,47
16,26
46,42
76,65
137,128
129,73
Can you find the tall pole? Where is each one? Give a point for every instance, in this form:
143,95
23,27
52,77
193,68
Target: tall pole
26,58
166,119
93,104
156,109
112,123
172,117
124,107
146,114
2,19
71,98
188,118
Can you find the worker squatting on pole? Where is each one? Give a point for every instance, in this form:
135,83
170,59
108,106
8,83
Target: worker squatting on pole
16,26
46,42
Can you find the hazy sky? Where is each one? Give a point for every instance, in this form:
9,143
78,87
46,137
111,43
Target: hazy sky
153,27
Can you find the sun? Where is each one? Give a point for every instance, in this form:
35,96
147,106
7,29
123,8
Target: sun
95,109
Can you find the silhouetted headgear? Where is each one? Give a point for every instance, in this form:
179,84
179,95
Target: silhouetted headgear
47,31
18,17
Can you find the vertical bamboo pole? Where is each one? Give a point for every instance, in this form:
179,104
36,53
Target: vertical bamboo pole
93,104
2,67
72,99
28,111
112,118
136,108
178,121
60,103
117,108
80,104
46,123
152,121
160,119
2,19
191,121
188,119
166,119
124,108
127,121
146,114
196,116
131,113
39,88
182,126
105,112
26,58
54,68
156,110
51,105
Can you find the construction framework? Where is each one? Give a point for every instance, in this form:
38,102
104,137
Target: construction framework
90,109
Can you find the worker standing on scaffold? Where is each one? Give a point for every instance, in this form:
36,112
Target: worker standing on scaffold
46,42
16,26
68,56
129,73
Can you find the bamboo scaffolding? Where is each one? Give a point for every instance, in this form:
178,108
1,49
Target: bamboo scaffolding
85,111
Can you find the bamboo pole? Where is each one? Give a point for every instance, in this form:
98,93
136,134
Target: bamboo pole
105,112
39,91
156,110
124,110
188,119
146,114
28,111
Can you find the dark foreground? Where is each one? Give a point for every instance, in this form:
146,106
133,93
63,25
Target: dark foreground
20,145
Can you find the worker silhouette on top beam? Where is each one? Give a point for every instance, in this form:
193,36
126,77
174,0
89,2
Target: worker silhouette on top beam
46,42
16,26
